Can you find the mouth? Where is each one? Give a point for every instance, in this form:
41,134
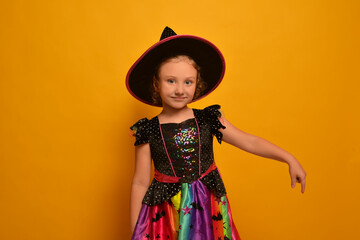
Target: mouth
178,98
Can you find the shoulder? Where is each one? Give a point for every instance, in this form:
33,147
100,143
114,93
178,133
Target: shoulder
143,129
212,110
144,124
209,116
139,124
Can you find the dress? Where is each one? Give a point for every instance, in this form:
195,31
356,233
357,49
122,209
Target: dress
187,197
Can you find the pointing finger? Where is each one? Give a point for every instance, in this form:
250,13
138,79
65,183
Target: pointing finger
303,185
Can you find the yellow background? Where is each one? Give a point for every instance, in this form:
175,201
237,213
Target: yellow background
66,158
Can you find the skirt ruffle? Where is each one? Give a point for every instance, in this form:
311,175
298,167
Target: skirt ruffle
194,213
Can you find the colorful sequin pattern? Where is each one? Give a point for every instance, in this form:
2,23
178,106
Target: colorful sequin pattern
182,143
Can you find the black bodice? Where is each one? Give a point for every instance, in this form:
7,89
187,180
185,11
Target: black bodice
182,146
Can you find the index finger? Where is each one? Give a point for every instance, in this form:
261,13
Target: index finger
303,186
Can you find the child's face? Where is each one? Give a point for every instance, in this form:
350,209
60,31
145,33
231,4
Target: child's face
177,83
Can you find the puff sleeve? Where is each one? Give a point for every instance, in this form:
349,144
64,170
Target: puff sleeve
141,131
213,113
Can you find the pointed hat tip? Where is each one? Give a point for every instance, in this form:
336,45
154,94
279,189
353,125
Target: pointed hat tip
168,32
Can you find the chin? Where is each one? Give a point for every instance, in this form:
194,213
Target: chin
178,105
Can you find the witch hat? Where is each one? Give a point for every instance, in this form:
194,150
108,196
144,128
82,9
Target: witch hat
139,78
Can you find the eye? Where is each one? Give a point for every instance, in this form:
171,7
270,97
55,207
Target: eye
171,81
188,82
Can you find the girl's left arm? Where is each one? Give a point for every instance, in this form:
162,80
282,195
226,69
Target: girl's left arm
261,147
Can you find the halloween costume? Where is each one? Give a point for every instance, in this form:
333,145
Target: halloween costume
187,198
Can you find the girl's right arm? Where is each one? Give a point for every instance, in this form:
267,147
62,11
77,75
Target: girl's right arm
140,182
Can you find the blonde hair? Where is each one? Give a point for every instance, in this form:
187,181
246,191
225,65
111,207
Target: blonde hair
200,83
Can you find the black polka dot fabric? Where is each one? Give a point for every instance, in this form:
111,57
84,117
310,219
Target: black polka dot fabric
148,131
160,192
214,182
141,131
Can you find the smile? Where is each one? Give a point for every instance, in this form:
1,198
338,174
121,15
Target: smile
179,98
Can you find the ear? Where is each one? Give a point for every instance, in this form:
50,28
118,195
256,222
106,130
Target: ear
156,84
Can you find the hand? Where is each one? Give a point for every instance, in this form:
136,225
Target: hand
297,174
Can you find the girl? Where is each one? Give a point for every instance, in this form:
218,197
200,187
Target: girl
187,198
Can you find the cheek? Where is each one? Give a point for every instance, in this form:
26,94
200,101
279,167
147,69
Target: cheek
192,90
164,90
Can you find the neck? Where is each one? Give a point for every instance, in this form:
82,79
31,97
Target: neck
170,114
169,111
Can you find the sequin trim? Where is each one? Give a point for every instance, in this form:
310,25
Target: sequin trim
181,141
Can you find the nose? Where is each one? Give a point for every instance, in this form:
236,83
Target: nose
179,90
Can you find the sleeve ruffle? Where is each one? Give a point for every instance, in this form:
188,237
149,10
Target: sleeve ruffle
141,131
213,114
